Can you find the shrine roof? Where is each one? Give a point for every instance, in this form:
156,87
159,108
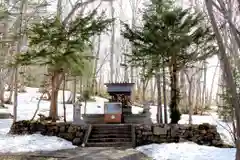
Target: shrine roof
119,87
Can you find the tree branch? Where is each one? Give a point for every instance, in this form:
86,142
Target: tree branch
75,8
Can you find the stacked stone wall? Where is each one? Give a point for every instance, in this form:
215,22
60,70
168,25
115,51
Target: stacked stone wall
68,131
203,134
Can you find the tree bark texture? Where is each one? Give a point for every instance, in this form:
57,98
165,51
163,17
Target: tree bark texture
159,99
56,80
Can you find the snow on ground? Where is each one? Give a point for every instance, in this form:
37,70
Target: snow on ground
31,143
27,103
186,151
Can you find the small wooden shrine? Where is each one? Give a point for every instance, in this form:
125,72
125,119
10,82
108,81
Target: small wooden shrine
119,107
120,102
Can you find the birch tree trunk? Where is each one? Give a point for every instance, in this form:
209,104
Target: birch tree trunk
190,105
197,100
23,8
11,88
198,94
225,65
183,104
190,102
151,90
112,45
212,85
165,96
203,105
74,89
96,64
133,7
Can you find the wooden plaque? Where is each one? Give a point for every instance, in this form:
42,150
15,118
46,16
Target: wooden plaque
112,112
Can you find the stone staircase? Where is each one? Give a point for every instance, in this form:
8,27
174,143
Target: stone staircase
110,135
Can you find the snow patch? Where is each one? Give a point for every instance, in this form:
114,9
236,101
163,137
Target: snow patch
31,143
186,151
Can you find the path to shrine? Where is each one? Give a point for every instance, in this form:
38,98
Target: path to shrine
94,153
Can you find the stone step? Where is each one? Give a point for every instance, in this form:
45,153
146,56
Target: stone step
110,126
109,144
110,131
111,135
110,140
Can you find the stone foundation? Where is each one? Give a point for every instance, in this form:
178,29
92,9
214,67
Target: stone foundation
203,134
68,131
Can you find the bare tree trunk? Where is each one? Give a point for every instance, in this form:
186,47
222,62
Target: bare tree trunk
143,92
15,103
57,77
2,90
96,64
74,89
72,97
100,83
175,113
203,105
11,89
212,85
38,105
190,105
165,96
81,85
225,65
54,95
159,99
64,105
219,88
59,9
152,89
23,7
134,6
112,45
183,105
198,91
190,102
126,79
198,94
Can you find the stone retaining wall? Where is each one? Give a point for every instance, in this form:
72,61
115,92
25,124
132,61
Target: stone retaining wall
203,134
67,131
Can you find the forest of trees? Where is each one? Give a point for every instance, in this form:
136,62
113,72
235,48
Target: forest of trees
163,47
